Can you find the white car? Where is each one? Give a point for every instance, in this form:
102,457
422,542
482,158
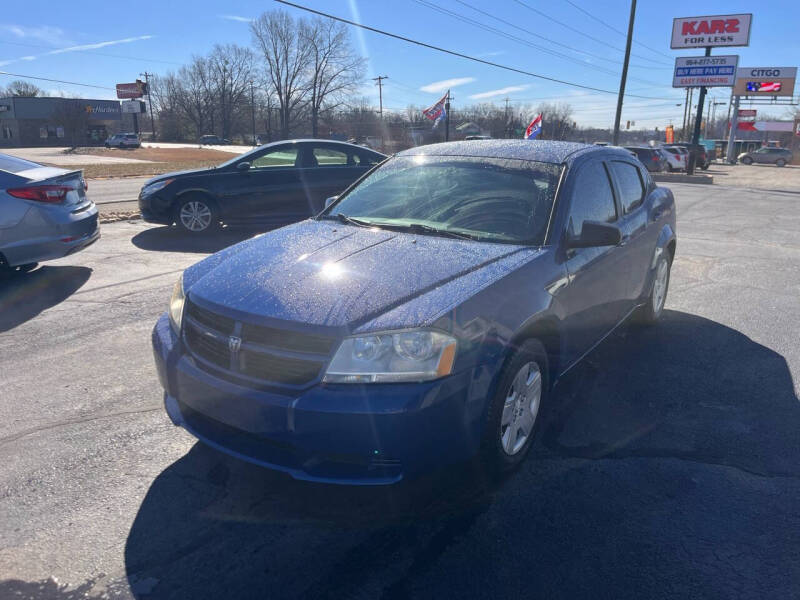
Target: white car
677,158
123,140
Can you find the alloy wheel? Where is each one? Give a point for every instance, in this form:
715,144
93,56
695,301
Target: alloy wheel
195,215
660,286
521,408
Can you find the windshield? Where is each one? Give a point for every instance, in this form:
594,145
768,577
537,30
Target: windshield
497,200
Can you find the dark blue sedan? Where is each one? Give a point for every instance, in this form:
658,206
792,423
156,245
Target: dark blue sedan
423,317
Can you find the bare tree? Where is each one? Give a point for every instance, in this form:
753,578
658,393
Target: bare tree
24,89
335,70
286,56
557,121
231,70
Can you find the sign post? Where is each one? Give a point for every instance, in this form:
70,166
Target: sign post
708,32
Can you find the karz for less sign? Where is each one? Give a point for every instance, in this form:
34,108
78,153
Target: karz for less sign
721,30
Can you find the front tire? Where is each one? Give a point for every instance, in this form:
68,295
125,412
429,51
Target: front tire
747,160
196,214
654,307
514,413
780,163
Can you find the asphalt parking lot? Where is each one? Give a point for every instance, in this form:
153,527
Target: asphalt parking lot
668,465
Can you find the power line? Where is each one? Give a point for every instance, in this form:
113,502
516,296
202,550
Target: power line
579,32
505,34
99,87
567,46
454,53
615,30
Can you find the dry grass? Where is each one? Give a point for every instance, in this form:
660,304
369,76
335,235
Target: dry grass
164,161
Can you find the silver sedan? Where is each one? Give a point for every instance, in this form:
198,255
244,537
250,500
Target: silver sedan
44,214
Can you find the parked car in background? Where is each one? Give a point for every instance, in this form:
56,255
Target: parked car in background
44,214
780,157
123,140
472,138
213,140
275,184
677,158
423,318
700,153
651,158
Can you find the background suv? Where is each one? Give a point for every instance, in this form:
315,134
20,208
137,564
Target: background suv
123,140
651,158
779,157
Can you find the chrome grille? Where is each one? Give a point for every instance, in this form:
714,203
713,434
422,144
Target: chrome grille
254,353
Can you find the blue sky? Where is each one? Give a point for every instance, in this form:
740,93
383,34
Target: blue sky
109,42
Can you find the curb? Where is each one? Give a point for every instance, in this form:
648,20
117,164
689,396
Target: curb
677,178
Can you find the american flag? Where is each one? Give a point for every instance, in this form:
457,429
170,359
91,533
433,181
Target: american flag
437,112
763,86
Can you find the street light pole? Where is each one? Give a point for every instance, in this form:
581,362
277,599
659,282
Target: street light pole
624,76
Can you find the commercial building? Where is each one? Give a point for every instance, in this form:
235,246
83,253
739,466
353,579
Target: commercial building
57,121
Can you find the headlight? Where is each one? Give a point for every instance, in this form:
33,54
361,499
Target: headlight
176,306
152,188
418,355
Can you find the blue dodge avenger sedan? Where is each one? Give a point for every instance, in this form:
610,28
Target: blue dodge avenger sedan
423,317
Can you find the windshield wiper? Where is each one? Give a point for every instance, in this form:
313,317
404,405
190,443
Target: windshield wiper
427,230
347,220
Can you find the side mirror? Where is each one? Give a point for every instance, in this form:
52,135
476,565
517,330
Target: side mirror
243,167
331,200
595,234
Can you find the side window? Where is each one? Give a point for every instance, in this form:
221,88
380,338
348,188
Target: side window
629,181
592,199
366,159
328,157
279,157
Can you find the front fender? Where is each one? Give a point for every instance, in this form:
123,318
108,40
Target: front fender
665,237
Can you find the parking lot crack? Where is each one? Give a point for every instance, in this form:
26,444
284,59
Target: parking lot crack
66,422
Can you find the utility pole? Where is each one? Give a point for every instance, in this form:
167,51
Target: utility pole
507,99
253,110
624,73
146,76
697,122
380,79
685,109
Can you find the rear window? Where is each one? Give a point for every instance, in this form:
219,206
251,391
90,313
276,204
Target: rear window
12,164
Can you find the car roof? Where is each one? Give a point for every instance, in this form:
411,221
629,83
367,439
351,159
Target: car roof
547,151
320,141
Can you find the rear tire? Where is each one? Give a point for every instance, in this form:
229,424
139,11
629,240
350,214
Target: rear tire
747,160
780,163
514,413
654,307
196,214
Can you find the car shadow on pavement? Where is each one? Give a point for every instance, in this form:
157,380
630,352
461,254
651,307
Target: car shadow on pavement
653,466
170,239
25,295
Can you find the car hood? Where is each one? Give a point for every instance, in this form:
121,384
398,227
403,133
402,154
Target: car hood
327,274
177,174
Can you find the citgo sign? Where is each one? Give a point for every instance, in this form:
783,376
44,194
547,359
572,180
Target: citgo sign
702,32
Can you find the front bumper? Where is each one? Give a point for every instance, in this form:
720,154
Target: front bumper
363,435
156,208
